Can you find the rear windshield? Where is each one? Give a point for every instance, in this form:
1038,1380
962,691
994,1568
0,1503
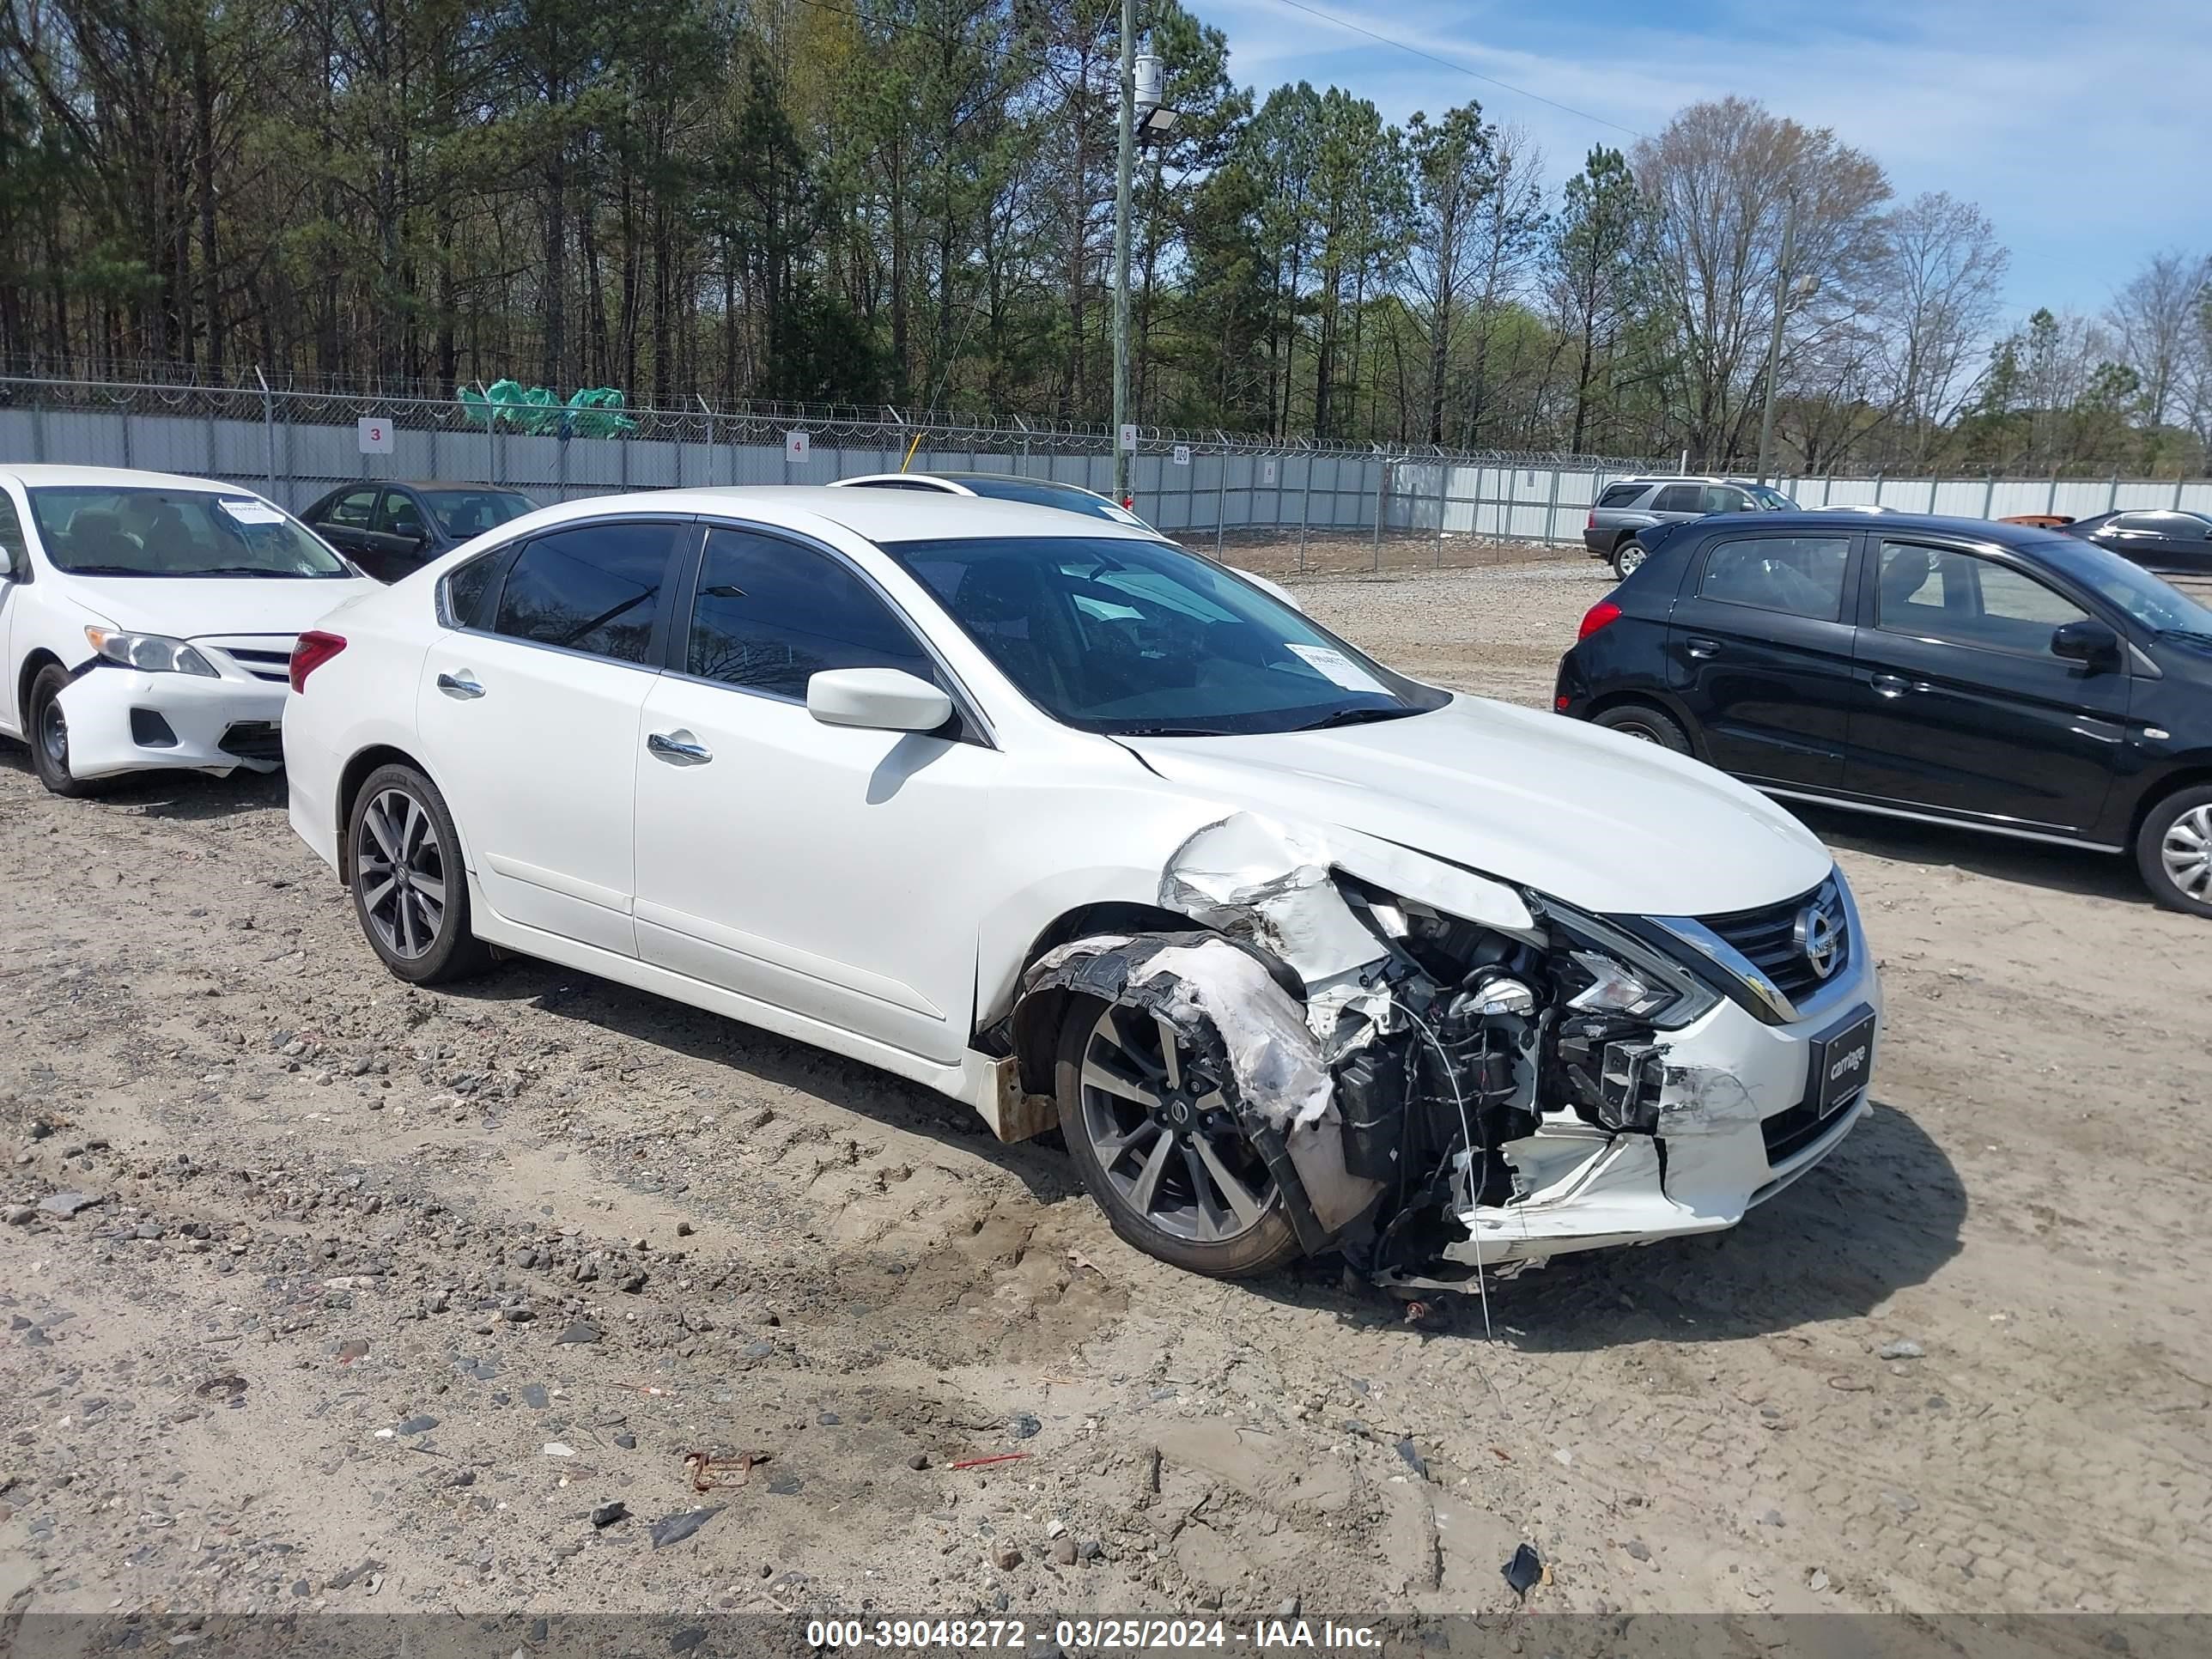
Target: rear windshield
462,513
158,532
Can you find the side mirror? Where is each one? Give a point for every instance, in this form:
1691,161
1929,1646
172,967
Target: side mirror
2090,643
877,700
1274,590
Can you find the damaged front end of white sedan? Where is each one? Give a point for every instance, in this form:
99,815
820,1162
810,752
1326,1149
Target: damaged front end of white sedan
1360,1047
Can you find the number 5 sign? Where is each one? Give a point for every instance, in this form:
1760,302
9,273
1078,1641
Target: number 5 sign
375,435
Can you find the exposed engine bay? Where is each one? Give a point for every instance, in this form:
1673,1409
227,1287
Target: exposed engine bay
1442,1086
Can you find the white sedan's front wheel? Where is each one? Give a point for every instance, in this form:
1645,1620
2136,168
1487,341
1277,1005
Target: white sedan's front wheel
1160,1148
410,889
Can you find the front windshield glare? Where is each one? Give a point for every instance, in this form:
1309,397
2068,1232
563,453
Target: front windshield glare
2153,602
1137,638
97,532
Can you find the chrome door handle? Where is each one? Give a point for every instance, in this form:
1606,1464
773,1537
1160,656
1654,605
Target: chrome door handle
1704,649
1896,685
678,748
462,685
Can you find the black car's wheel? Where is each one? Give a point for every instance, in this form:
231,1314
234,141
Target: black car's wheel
1160,1149
46,729
2174,850
1626,557
1642,720
410,888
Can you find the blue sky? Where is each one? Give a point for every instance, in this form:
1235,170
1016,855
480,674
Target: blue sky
2083,128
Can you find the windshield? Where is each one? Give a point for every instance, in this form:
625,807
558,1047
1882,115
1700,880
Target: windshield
2151,602
100,531
462,513
1039,492
1773,500
1140,639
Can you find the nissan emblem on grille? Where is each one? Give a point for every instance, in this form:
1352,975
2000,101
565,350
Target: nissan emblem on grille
1818,939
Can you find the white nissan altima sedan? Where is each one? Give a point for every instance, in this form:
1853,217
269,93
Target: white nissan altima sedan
1092,834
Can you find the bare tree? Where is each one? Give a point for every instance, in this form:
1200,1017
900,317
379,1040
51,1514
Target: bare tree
1940,290
2157,317
1729,184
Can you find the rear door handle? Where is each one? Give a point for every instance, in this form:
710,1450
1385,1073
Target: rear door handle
678,748
462,685
1704,649
1896,685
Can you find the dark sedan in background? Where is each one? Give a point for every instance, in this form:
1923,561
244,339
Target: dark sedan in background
391,529
2169,540
1997,677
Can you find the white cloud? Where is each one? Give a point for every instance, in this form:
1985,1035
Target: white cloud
2080,131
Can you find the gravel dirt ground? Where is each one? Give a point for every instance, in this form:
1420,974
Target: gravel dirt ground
324,1291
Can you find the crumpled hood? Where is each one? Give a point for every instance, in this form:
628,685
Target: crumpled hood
1603,822
185,609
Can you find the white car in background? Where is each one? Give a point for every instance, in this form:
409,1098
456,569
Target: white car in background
147,621
1067,822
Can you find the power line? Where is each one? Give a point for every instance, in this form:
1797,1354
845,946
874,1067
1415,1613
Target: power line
1461,68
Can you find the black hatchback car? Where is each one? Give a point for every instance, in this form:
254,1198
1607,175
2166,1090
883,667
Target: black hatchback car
1951,670
391,529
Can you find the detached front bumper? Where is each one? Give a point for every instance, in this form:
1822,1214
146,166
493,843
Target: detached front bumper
122,721
1739,1121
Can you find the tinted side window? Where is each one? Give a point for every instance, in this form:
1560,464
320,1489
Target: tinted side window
1719,498
466,589
1800,575
352,509
399,515
594,588
771,614
1940,593
1620,494
1679,498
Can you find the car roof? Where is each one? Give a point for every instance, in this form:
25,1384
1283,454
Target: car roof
117,477
1684,478
1892,524
880,515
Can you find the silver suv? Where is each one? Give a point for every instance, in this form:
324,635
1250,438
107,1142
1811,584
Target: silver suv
1634,504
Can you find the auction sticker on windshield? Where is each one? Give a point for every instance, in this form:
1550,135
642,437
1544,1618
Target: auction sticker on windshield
250,512
1338,668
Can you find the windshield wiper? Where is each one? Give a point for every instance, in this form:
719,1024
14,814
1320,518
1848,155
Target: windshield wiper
244,570
110,570
2194,635
1353,717
1171,732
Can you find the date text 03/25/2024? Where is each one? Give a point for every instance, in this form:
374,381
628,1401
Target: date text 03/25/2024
1093,1636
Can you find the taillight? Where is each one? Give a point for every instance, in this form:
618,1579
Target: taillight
1591,523
310,651
1598,616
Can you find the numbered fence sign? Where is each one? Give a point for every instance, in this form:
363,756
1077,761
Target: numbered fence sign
1182,455
1129,434
1267,472
375,435
798,446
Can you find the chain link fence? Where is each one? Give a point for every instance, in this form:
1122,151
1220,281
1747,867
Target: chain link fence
1284,505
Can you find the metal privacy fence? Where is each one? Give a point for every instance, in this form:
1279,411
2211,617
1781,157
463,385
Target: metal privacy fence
294,446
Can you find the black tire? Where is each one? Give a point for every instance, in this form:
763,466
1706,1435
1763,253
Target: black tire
1641,720
46,731
1628,553
410,892
1185,1226
2174,850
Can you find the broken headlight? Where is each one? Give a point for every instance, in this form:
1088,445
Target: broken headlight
1605,971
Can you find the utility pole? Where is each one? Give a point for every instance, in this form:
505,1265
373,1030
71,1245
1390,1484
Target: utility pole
1123,167
1774,342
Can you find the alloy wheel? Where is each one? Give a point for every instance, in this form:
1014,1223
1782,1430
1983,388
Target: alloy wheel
1629,558
2185,850
400,874
1165,1135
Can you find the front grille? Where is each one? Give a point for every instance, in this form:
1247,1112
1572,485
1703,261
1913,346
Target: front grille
1768,940
254,740
266,658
